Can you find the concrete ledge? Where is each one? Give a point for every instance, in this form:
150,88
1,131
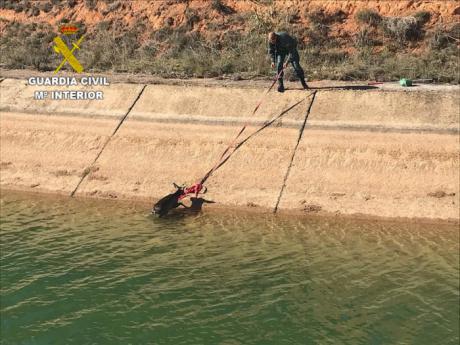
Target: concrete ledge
375,110
388,108
162,102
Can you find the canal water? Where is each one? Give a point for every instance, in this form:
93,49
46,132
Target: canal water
100,272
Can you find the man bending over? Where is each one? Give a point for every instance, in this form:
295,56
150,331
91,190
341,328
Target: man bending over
280,44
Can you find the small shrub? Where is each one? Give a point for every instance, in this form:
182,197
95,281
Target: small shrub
317,34
292,16
238,18
7,5
35,11
102,52
127,43
221,7
334,57
422,17
27,4
316,16
19,8
261,23
82,29
338,16
191,18
114,6
369,17
440,39
162,35
319,28
455,31
169,21
150,48
321,17
364,39
91,4
19,39
46,7
402,28
103,26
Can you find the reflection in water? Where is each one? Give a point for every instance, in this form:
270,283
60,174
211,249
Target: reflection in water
109,273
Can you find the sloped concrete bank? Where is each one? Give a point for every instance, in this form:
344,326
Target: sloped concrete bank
370,151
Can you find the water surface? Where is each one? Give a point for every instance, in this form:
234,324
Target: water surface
97,272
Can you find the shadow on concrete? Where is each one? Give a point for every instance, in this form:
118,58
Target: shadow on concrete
345,87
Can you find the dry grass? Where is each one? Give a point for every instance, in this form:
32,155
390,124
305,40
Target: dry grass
382,49
369,17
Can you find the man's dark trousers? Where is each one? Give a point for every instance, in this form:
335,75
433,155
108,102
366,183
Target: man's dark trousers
294,59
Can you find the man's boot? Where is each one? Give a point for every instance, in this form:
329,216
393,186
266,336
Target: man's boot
280,85
304,84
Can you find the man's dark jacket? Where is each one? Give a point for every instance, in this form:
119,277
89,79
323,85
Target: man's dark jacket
284,45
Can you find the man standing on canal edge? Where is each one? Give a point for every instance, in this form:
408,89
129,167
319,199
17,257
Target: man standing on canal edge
281,44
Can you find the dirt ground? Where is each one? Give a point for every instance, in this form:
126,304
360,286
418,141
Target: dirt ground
155,14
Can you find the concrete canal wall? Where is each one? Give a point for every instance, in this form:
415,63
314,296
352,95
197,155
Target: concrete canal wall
384,151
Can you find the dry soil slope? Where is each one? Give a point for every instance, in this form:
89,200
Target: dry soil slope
157,14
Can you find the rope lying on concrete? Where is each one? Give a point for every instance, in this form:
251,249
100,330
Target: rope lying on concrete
294,152
89,169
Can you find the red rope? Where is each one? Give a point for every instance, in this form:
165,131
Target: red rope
228,150
197,187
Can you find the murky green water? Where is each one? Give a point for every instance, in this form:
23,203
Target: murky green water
93,272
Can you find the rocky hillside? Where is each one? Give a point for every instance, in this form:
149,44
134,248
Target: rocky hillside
380,40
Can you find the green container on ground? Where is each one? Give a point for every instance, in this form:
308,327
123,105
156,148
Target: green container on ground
405,82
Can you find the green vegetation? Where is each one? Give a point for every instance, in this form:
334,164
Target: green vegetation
20,40
422,17
368,17
384,48
402,29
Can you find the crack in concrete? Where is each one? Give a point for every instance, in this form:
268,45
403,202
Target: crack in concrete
89,169
286,176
